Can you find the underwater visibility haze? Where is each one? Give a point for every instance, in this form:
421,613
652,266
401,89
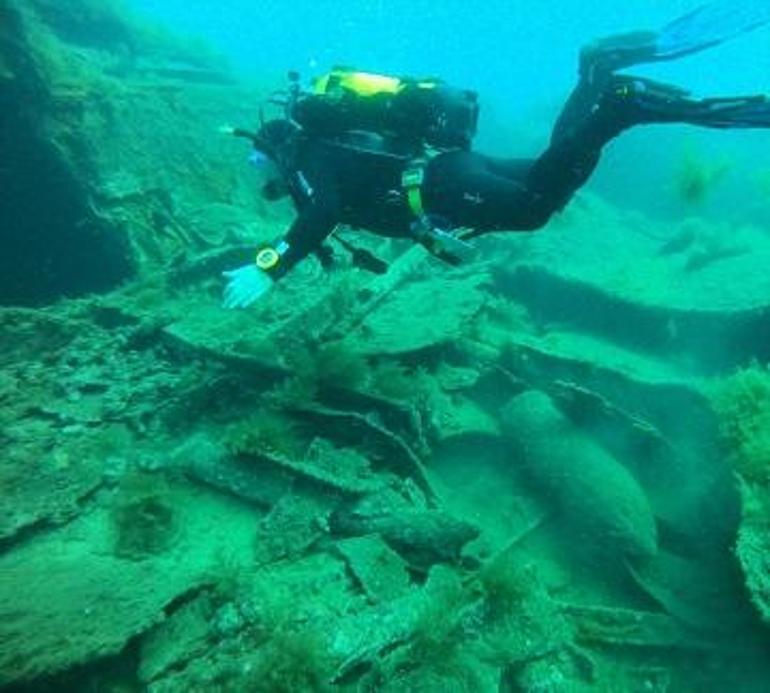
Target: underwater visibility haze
447,372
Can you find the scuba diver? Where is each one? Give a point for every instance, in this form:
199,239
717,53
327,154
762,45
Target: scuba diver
393,156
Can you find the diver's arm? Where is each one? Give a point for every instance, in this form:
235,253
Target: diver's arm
314,189
312,226
317,217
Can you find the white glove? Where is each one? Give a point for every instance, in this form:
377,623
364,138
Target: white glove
245,285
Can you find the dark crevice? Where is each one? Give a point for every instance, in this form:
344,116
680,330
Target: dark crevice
114,673
709,341
53,245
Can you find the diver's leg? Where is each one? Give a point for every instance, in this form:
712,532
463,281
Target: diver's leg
494,194
627,101
560,171
514,169
485,194
707,26
637,100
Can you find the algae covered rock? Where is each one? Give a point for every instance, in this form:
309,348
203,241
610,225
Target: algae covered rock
424,536
383,574
108,149
422,314
182,636
742,403
594,491
753,546
454,416
70,597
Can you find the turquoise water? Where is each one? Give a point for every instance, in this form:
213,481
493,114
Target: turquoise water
546,469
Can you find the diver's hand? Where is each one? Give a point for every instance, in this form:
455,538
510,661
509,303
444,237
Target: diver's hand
245,285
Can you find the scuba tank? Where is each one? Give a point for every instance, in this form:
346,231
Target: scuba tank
424,111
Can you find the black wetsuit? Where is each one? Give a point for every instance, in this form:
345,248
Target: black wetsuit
332,183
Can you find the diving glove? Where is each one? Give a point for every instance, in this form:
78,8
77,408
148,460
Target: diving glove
245,285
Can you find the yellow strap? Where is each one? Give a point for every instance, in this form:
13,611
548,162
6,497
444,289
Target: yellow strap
411,180
414,198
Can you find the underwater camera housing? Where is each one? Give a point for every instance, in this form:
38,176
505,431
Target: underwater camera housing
427,111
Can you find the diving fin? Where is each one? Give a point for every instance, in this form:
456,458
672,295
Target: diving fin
635,100
710,25
702,28
731,112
